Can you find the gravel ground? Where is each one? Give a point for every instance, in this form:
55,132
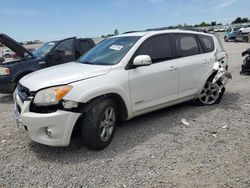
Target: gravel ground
154,150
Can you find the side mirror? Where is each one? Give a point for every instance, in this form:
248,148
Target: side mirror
2,59
142,60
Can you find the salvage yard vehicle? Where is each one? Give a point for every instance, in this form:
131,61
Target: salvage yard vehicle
50,54
122,77
246,62
231,34
7,53
245,29
242,37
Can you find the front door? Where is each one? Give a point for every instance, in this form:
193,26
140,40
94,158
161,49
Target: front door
63,52
157,84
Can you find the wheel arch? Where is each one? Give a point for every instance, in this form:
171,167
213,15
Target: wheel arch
122,109
210,75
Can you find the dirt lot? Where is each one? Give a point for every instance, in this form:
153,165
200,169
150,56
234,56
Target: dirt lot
154,150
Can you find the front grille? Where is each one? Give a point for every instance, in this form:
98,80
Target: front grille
23,92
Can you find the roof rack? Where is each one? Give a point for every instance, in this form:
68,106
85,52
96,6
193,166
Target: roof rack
130,32
155,29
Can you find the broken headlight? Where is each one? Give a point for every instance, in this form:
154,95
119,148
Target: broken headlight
51,96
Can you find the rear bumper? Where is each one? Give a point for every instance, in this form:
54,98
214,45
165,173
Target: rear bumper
7,88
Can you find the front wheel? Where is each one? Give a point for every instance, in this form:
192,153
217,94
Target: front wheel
7,56
211,94
225,39
99,124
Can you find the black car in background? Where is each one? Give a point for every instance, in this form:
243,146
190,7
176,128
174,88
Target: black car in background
50,54
245,67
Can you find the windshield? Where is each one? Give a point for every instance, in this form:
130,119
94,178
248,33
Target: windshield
44,49
110,51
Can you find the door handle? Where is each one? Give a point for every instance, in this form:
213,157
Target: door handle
172,69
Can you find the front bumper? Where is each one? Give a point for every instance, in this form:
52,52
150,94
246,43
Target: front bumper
58,124
7,88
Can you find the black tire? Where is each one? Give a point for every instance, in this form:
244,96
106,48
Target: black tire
246,39
7,56
225,39
92,121
198,102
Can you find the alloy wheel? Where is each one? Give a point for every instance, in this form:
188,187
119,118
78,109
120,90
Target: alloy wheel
210,93
107,124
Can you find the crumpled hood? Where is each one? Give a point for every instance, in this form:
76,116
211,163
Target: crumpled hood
62,74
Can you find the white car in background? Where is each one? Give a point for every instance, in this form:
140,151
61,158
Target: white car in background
122,77
7,53
245,29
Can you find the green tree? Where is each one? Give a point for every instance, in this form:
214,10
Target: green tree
116,32
240,20
213,23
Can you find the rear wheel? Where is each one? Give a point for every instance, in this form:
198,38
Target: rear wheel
99,124
225,39
246,39
210,94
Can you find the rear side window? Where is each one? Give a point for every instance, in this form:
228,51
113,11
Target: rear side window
84,46
186,45
207,42
157,47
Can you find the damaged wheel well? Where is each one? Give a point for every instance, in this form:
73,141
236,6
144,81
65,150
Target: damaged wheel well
122,109
211,77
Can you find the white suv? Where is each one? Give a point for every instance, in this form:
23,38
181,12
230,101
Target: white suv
122,77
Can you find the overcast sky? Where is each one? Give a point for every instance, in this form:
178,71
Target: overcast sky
57,19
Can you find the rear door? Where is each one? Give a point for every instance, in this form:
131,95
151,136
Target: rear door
193,63
63,52
157,84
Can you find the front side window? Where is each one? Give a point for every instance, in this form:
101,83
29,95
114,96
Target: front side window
157,47
110,51
66,47
185,45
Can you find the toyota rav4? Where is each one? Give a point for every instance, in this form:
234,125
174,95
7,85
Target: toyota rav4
122,77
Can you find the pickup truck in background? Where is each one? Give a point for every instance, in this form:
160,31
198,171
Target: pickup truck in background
50,54
231,33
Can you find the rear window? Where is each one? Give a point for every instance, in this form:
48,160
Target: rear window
208,43
185,45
